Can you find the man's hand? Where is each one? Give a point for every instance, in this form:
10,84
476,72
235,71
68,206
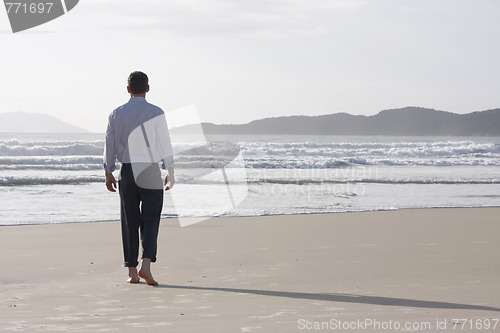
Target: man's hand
110,182
170,179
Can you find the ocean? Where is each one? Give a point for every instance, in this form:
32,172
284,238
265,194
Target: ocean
58,178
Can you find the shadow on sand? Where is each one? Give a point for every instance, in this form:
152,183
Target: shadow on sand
345,298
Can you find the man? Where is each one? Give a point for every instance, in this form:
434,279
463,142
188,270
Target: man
137,135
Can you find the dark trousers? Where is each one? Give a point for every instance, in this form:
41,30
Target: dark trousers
140,210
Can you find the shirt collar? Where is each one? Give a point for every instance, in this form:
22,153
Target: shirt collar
137,99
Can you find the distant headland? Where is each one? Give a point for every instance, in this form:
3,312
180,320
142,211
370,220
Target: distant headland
409,121
23,122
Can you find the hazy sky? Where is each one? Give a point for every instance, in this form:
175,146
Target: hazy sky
240,60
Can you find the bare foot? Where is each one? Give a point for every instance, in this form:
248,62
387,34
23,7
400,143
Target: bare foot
133,279
148,277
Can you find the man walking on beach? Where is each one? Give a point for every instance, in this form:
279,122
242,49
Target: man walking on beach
137,136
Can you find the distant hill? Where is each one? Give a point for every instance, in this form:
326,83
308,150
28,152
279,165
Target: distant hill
23,122
412,121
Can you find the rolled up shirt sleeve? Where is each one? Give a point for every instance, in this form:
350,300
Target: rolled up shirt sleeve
110,146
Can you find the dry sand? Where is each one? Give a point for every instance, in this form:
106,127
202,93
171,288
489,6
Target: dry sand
261,274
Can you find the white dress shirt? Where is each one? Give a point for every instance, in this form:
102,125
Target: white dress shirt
137,132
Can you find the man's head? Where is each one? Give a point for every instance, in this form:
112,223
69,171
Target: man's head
138,83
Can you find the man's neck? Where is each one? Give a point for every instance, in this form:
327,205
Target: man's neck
143,95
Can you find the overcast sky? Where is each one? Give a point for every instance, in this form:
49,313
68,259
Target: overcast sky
240,60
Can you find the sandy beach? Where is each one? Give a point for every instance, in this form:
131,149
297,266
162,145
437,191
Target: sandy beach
429,270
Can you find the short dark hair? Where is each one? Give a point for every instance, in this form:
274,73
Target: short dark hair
138,82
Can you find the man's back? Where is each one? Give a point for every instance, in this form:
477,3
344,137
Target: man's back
123,121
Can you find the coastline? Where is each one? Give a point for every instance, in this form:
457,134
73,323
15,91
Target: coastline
206,218
262,273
